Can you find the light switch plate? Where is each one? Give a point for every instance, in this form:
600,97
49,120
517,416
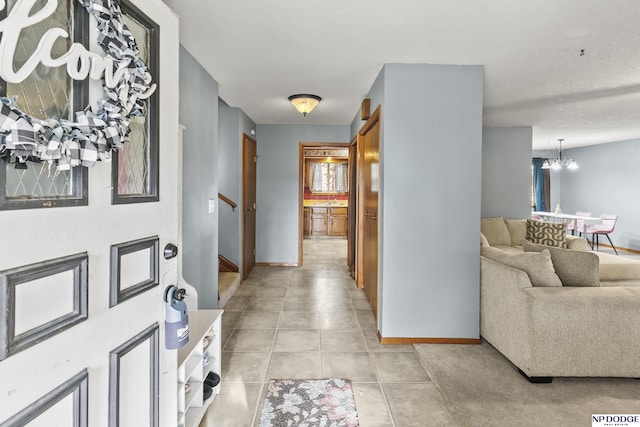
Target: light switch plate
212,206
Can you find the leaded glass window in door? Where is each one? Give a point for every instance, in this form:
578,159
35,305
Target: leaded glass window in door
46,93
135,170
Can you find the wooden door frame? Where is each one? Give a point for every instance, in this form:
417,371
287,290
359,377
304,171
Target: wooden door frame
352,218
245,137
373,119
301,148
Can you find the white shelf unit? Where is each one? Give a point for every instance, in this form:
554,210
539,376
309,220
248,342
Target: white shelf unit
204,339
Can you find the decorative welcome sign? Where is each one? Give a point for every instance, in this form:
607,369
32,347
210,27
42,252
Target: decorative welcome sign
96,131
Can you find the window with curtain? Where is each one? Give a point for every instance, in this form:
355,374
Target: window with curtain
541,185
328,177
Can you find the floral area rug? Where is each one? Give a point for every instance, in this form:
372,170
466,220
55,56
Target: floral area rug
309,403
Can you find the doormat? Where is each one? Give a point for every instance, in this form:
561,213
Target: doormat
309,403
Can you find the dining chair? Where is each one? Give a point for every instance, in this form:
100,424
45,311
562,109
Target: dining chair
579,224
606,227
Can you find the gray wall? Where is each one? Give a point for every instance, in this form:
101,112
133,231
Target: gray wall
233,122
606,182
199,115
506,172
277,198
430,206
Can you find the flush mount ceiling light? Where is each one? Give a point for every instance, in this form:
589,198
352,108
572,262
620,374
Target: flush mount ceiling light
305,103
558,163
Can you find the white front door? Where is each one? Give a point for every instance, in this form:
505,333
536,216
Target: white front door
103,361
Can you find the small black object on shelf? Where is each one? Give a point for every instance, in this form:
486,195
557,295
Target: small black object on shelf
207,391
212,379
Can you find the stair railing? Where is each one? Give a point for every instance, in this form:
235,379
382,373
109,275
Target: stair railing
228,201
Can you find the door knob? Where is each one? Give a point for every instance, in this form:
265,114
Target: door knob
366,214
374,217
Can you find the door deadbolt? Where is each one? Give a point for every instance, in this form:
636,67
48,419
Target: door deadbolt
170,251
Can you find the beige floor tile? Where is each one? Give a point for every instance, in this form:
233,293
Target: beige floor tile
361,304
399,367
348,366
252,340
299,304
371,405
265,304
230,318
258,320
356,293
226,334
244,367
235,406
342,340
299,320
367,319
236,303
246,289
303,365
339,320
304,292
312,322
417,405
297,340
270,292
274,282
318,305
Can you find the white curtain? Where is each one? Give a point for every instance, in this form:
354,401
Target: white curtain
315,185
342,177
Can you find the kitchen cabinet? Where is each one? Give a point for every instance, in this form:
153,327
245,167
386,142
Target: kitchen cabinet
325,221
338,222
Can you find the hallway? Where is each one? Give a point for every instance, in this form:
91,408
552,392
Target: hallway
312,322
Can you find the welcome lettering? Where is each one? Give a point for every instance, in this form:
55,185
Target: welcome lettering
79,62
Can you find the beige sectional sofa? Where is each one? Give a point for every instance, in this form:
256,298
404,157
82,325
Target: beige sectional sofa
552,329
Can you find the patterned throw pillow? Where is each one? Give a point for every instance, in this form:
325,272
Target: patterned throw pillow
547,233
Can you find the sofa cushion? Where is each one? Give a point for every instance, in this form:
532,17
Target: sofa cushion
576,243
495,230
547,233
618,268
537,265
483,240
574,268
517,230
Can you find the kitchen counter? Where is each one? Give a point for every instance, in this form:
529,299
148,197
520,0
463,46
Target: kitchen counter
326,203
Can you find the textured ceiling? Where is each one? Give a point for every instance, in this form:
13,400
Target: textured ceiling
262,51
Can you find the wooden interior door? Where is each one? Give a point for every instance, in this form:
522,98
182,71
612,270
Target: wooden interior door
370,188
249,168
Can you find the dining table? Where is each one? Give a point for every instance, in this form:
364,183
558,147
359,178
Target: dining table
566,218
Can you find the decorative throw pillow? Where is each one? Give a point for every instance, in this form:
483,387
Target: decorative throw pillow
483,241
574,268
537,265
517,230
495,230
547,233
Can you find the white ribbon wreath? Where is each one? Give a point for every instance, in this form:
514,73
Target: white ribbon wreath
95,132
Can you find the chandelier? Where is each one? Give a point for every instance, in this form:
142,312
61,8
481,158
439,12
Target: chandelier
559,163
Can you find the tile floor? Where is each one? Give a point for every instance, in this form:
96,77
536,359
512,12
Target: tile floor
312,322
